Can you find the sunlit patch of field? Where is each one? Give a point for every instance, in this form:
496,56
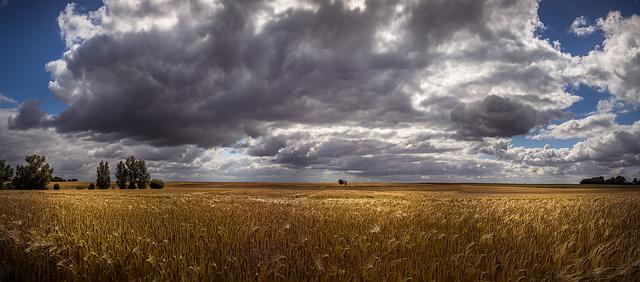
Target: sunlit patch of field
315,231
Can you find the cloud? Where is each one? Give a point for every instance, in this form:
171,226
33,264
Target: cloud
7,100
581,28
238,69
267,146
4,3
592,125
307,90
616,67
497,116
618,147
29,116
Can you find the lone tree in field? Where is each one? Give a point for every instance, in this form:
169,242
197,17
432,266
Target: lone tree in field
103,178
121,175
35,175
6,172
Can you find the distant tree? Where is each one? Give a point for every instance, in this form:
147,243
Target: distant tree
56,186
92,186
635,181
342,182
121,175
143,174
6,172
618,180
35,175
57,179
132,171
73,180
594,180
156,183
103,175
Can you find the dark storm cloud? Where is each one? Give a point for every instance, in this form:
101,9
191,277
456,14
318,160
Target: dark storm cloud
215,80
267,146
331,153
178,154
388,90
496,116
218,83
29,116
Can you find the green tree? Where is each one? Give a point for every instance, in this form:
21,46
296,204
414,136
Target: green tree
121,175
132,171
103,175
6,172
143,175
35,175
156,183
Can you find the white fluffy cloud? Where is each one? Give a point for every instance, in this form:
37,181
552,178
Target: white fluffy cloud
616,67
581,27
7,100
580,128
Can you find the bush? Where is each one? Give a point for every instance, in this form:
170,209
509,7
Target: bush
58,179
8,186
56,186
79,187
156,184
92,186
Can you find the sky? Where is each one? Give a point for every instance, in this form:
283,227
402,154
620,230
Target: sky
411,91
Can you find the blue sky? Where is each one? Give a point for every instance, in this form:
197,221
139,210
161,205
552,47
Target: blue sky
557,17
31,38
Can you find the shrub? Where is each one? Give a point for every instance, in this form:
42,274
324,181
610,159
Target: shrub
8,186
156,183
91,186
79,187
58,179
56,186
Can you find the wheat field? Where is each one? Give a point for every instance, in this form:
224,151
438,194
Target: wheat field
320,232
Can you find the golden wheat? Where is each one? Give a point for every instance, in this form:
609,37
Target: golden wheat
279,234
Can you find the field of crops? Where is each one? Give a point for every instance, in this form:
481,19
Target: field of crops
204,232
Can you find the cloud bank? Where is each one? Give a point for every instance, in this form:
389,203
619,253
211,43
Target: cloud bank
390,90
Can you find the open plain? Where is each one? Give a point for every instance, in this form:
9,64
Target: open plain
319,231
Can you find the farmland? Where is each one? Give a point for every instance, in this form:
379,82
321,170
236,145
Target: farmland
315,231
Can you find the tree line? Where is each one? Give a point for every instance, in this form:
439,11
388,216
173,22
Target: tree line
37,174
618,180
